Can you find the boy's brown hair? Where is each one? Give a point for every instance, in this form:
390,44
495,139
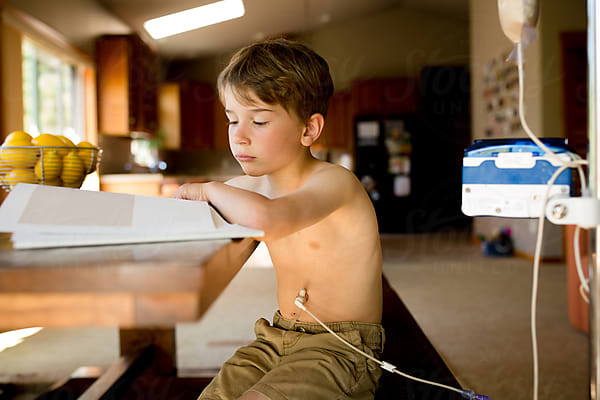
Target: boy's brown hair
280,72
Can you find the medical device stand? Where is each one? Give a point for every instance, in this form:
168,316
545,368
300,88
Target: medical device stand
594,181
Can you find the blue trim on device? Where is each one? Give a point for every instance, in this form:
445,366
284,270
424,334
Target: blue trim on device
488,173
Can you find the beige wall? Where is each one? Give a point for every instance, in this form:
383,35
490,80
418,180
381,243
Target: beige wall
397,42
392,43
556,18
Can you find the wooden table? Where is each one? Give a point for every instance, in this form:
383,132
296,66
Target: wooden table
143,289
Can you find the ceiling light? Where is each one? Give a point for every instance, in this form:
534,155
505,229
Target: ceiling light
194,18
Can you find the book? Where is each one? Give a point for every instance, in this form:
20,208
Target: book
39,216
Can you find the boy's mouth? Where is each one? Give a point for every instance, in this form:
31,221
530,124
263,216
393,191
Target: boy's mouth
244,157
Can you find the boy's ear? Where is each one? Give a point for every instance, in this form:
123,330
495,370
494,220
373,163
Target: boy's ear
313,129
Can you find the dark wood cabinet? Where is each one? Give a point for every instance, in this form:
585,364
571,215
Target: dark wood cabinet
337,132
127,80
385,96
197,115
187,114
221,132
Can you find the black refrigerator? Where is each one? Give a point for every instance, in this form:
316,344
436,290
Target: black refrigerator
384,167
411,164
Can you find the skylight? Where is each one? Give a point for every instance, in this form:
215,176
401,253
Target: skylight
194,18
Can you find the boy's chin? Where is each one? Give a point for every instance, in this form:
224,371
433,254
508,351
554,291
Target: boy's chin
253,172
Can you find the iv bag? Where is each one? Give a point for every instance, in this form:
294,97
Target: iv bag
517,15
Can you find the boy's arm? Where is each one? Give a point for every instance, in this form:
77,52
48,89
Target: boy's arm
326,191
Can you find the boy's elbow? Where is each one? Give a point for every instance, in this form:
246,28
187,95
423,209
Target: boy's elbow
265,219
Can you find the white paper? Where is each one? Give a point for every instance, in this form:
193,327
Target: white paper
48,216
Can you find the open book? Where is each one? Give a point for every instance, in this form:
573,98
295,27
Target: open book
41,216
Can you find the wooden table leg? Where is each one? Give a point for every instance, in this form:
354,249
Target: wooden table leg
143,351
162,339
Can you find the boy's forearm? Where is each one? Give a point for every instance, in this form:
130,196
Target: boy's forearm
238,206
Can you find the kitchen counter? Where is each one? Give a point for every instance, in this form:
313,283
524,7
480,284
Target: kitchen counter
144,289
154,184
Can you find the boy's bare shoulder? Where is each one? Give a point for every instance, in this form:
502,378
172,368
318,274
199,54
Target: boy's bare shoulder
336,175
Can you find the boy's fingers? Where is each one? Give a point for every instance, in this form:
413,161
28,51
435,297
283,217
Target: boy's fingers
181,192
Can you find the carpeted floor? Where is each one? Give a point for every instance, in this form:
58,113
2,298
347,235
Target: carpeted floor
475,310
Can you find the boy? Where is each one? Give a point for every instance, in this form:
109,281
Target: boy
320,229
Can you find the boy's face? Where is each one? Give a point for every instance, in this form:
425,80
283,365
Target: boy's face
264,138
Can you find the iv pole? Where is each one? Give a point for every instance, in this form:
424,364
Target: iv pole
593,39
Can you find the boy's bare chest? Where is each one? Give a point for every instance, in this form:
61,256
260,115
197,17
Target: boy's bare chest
324,243
303,246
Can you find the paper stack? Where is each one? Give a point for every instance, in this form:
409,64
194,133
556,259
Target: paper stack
41,216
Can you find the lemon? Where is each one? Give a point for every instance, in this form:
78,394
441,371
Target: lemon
18,135
21,157
88,154
19,175
67,142
48,139
73,170
48,166
52,182
75,185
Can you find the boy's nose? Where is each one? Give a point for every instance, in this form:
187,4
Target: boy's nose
238,135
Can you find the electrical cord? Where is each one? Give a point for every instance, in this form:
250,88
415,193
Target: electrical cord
467,394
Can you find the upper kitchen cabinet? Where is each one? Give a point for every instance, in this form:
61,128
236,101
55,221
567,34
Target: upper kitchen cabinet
384,97
187,115
127,78
338,129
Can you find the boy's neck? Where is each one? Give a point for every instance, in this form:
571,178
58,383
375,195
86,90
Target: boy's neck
293,176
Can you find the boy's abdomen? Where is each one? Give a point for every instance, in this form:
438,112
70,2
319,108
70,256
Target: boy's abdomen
335,292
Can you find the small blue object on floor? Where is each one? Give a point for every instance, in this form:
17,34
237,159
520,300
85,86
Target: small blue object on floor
500,245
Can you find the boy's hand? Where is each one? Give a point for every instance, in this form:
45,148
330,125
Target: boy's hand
191,191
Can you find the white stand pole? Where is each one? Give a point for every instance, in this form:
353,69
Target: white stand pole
594,180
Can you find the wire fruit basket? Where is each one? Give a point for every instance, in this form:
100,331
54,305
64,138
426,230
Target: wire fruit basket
47,165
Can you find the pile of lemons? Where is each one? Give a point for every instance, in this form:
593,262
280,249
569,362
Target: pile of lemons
47,159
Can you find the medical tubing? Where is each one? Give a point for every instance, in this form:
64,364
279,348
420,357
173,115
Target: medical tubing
536,268
468,394
584,286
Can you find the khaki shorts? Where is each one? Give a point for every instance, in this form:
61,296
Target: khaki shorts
301,360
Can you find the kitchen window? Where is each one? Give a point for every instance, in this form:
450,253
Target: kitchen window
53,94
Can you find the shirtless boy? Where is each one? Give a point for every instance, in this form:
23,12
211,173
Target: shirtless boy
320,229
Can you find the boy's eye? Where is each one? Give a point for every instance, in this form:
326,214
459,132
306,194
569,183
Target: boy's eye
260,123
231,122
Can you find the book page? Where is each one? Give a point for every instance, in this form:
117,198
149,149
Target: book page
59,207
56,209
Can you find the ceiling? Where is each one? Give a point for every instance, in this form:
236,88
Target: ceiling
80,21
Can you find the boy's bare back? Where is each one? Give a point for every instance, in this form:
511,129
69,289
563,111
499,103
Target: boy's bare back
337,259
